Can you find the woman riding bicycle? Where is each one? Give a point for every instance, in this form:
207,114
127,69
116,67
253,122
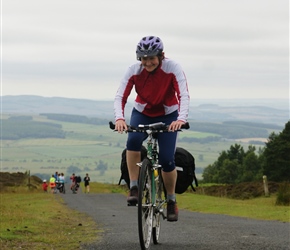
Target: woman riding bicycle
162,96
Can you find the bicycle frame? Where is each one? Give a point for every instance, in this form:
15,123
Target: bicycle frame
152,155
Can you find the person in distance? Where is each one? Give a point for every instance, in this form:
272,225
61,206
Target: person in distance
162,96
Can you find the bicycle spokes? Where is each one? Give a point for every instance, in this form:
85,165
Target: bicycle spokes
145,208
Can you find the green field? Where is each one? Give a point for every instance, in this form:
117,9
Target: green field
84,146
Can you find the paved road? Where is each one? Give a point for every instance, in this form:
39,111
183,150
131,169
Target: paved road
192,231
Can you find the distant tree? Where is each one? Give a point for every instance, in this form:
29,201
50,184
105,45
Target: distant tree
73,169
200,157
234,166
236,152
101,166
209,174
277,156
237,165
229,172
87,169
251,169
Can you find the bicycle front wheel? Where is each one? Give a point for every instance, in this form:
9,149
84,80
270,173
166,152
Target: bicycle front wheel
159,210
145,208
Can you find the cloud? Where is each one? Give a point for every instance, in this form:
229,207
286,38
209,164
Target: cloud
226,48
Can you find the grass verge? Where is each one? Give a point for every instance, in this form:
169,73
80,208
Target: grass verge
41,221
262,208
107,188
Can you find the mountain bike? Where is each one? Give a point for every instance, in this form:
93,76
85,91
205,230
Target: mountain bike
60,187
75,187
152,194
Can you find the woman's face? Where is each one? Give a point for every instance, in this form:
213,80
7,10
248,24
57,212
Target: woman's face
150,63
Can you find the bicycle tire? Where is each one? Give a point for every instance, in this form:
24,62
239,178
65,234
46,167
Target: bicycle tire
159,213
145,208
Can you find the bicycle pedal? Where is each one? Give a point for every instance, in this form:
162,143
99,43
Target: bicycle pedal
132,204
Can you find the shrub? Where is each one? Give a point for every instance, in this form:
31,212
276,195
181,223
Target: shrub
283,196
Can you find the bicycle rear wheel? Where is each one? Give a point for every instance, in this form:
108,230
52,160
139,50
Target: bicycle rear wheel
159,208
145,208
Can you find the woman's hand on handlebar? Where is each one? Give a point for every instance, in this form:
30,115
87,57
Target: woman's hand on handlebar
175,125
121,126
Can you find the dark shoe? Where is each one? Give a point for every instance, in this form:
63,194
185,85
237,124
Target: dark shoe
132,198
172,211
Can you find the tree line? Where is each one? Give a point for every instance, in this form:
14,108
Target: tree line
238,165
15,129
76,118
234,130
20,127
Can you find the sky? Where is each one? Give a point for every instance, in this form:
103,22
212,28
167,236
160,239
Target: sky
81,49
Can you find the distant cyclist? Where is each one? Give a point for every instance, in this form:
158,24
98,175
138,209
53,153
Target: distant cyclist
61,178
61,182
162,96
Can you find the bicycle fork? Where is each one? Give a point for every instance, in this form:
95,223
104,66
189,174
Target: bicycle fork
159,202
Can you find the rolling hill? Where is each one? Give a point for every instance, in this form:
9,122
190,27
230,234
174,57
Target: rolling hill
217,111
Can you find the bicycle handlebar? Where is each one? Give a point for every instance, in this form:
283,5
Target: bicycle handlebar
159,126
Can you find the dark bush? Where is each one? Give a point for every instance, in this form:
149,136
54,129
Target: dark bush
283,195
